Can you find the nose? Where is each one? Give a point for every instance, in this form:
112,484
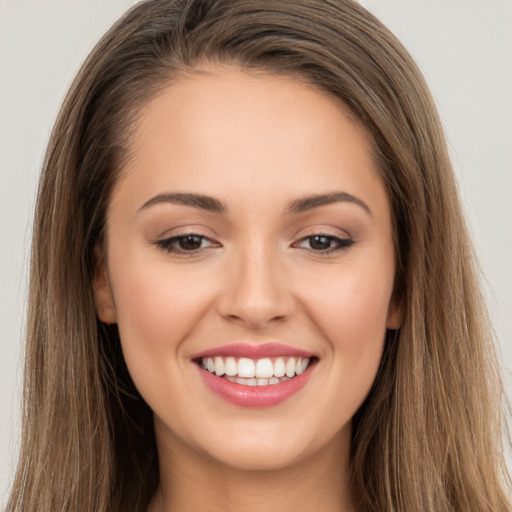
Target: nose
256,292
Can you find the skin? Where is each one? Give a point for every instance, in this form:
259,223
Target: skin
256,143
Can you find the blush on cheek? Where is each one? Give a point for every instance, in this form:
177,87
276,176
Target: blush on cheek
156,308
353,304
353,317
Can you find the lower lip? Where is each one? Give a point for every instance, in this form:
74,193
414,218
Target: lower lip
256,396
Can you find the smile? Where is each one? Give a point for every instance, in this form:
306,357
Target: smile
259,372
260,375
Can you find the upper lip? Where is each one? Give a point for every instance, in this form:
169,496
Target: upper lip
254,351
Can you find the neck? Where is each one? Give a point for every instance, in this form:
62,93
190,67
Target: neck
192,481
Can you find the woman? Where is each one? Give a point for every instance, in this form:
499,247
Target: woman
251,282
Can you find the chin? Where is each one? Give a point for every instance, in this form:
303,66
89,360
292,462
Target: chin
273,447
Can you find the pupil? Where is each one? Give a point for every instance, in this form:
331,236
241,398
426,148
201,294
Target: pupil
189,243
320,242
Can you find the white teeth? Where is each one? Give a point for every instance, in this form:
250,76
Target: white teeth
302,364
260,372
231,367
246,367
254,382
219,366
290,367
279,367
264,368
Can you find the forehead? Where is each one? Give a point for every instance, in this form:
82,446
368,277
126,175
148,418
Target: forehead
224,131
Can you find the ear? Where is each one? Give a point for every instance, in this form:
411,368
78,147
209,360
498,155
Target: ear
103,299
396,313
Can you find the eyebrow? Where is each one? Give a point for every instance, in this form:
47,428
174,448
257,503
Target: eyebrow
213,205
315,201
195,200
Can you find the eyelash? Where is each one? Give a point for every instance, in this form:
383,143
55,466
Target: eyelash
341,243
170,244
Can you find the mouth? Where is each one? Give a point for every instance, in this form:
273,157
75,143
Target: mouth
255,372
255,375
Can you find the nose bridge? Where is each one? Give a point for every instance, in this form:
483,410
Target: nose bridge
256,292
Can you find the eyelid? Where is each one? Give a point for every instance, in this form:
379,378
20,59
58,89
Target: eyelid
166,244
185,229
343,243
169,243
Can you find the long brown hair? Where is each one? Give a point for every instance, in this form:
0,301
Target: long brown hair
429,435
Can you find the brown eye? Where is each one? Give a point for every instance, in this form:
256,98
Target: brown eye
324,244
320,243
190,242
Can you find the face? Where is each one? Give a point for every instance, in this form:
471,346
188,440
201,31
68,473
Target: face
250,267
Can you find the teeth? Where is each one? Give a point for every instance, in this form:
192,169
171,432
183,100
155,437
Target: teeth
260,372
231,366
279,367
264,368
256,382
246,367
219,366
290,367
302,364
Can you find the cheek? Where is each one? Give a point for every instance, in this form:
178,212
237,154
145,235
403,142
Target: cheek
356,312
351,302
157,309
351,313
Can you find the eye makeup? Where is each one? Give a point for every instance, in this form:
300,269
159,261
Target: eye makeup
190,244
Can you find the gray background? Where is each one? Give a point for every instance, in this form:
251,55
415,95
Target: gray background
464,48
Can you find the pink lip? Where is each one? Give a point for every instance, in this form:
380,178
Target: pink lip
256,396
254,351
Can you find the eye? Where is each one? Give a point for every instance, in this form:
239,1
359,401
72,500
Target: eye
186,244
324,244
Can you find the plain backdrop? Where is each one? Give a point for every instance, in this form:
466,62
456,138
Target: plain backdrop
464,48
